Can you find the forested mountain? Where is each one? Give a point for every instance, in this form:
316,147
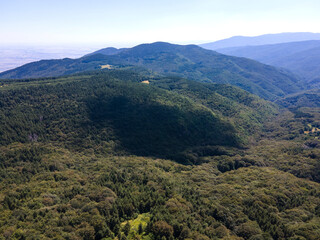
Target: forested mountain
302,58
188,61
246,111
140,118
242,41
84,157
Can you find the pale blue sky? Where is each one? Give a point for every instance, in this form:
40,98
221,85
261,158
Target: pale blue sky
126,23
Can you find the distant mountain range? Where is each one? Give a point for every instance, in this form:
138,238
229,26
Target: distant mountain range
302,58
239,41
190,61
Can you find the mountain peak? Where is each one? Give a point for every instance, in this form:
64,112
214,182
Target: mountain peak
163,46
107,51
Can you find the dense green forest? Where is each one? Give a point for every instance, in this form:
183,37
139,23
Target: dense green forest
123,154
169,117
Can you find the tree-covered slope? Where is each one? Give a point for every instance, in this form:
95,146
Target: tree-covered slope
189,61
116,111
247,111
195,63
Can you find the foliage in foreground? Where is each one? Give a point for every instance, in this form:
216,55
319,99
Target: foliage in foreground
52,193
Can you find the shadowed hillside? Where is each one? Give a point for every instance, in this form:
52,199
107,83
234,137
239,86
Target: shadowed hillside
101,109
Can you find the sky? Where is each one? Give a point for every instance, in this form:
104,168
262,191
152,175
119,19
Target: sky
124,23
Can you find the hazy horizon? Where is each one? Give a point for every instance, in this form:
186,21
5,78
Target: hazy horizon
126,23
34,30
13,56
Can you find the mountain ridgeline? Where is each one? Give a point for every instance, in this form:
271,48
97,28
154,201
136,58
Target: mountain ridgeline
188,61
276,38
